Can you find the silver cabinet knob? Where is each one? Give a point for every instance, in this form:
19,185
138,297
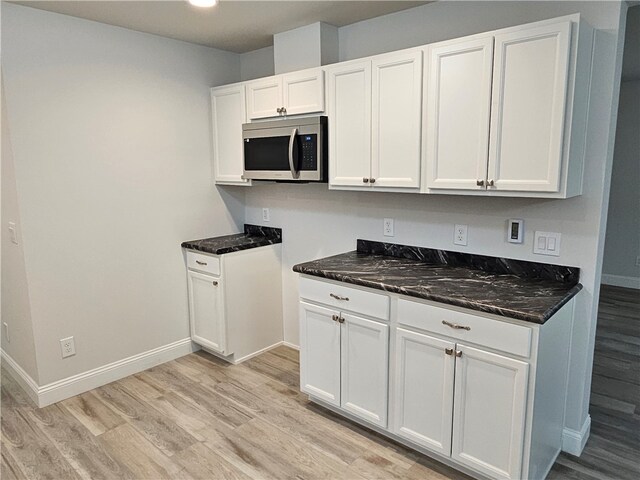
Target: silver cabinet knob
365,180
480,183
215,284
279,110
340,320
448,351
491,183
372,180
334,318
458,353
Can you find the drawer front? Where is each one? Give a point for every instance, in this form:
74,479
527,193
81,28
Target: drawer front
342,297
504,336
203,263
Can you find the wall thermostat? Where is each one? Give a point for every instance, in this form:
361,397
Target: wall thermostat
515,233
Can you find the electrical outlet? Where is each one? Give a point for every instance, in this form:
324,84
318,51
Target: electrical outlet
13,232
638,261
547,243
68,347
6,331
266,216
388,227
460,234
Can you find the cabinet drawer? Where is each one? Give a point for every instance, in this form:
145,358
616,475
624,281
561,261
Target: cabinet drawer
203,263
510,338
342,297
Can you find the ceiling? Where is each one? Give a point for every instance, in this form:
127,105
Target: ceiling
235,25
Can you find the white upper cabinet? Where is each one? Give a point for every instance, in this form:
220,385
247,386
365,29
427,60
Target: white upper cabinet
228,114
396,120
374,110
264,98
458,99
289,94
349,112
489,414
531,70
506,111
303,92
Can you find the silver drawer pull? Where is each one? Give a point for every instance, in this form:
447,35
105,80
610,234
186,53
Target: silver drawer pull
339,297
200,263
455,325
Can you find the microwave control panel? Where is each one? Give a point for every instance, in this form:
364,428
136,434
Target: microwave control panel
309,152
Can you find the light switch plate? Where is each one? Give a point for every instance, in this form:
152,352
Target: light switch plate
547,243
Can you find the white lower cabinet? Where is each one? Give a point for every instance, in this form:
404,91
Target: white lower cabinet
343,361
481,393
364,384
207,314
235,307
423,390
489,412
320,353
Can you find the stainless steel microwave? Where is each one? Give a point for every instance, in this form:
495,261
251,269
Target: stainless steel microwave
286,150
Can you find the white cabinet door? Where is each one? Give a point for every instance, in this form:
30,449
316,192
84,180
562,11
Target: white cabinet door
264,97
206,312
423,390
396,120
457,113
303,91
320,353
489,412
228,113
528,108
349,112
365,369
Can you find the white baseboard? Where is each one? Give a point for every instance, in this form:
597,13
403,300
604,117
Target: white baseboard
291,345
621,281
27,383
83,382
573,441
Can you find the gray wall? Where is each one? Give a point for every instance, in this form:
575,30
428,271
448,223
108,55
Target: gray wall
110,131
622,243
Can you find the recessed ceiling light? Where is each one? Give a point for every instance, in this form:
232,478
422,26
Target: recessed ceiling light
203,3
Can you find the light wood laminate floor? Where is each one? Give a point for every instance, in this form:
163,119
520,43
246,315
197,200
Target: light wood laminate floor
198,417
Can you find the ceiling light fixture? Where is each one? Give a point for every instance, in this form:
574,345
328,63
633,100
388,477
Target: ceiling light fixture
203,3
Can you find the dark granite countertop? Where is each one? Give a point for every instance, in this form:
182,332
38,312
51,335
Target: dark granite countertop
517,289
253,236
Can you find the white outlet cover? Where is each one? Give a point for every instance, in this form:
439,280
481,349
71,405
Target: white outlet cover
266,215
387,227
460,234
68,347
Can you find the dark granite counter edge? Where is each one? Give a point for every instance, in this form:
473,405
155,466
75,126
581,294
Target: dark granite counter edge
222,251
539,319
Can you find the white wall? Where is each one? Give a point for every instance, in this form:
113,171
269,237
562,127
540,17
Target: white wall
112,154
16,310
317,222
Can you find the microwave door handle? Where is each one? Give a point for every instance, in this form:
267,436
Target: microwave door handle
292,166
